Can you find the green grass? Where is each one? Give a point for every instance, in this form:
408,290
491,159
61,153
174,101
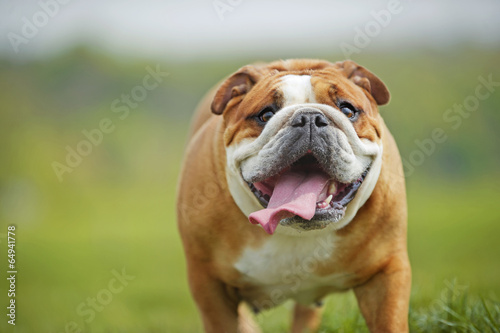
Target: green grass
456,310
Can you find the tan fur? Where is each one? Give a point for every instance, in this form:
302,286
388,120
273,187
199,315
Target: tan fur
371,248
305,318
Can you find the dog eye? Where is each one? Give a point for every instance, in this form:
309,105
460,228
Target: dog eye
266,114
349,111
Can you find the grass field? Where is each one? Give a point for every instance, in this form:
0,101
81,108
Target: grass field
114,214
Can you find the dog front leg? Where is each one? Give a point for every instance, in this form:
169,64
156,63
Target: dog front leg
219,311
384,299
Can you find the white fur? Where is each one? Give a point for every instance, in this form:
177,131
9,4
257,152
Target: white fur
297,89
284,267
239,189
363,193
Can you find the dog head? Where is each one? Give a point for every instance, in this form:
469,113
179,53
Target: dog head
303,141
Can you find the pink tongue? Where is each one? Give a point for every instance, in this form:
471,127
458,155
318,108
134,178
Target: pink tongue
295,193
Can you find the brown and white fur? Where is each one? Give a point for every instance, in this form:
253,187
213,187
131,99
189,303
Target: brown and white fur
231,261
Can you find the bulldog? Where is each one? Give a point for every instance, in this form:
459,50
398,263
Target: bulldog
292,188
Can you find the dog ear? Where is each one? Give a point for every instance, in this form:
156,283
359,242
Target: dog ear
237,84
366,80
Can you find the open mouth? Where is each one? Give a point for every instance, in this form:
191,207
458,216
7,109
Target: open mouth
302,193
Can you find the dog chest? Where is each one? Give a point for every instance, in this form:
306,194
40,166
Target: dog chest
287,265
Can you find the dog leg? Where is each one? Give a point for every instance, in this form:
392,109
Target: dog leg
306,318
384,299
219,311
246,321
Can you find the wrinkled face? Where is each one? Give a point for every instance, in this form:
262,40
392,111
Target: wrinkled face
303,149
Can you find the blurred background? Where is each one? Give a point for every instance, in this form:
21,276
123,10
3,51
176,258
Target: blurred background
95,102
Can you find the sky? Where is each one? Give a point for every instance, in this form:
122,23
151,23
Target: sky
187,30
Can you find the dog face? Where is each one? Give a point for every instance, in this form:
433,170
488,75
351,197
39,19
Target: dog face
303,142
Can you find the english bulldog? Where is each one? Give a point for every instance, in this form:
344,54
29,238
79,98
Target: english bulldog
292,188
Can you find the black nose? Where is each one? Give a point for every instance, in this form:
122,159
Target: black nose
312,119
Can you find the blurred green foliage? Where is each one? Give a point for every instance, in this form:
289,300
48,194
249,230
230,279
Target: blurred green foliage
116,209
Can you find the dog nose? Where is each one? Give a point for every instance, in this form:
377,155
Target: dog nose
313,119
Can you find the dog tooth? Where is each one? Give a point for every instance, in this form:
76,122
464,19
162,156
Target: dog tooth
332,188
328,200
322,204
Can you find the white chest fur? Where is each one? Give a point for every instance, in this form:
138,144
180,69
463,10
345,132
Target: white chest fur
286,265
